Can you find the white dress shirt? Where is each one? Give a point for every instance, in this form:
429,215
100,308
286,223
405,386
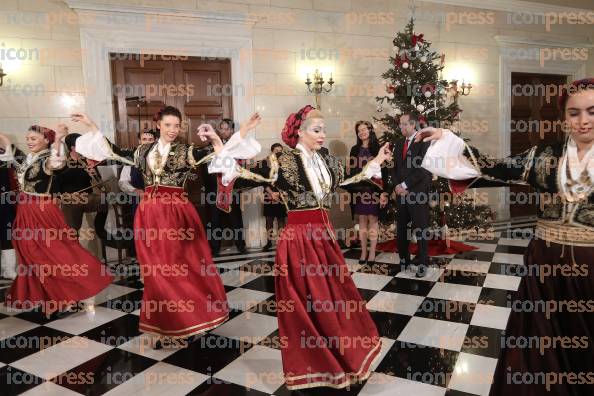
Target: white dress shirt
163,148
315,169
125,181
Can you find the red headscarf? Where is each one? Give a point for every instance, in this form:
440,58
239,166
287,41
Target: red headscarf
576,86
47,133
293,124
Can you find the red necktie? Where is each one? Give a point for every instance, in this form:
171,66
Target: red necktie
404,149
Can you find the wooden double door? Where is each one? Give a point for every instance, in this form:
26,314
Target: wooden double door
535,120
198,87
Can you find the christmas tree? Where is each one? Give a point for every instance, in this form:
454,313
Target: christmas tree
414,85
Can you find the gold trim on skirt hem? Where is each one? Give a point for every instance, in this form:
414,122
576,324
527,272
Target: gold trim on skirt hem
350,377
211,325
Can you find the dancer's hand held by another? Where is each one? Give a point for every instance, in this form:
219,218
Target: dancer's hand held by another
61,132
428,134
84,119
207,133
250,124
4,141
383,154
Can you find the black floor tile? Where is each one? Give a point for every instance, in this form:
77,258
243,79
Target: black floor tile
409,286
483,341
14,381
127,303
209,354
104,372
419,363
261,283
115,332
389,325
510,249
475,255
498,297
452,311
463,277
30,342
217,387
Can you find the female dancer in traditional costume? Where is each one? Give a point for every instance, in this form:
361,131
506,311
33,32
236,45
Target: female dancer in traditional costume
559,258
183,292
327,335
54,270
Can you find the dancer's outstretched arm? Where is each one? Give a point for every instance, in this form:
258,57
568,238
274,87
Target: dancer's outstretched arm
450,157
243,147
373,169
95,146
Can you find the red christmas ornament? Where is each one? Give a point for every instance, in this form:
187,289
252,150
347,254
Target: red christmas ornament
400,60
417,38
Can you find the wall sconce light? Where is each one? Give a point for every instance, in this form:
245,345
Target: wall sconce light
2,75
318,86
462,90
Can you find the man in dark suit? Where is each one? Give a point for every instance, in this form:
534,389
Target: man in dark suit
410,182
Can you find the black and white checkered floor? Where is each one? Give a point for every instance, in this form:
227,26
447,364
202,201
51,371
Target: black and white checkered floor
441,334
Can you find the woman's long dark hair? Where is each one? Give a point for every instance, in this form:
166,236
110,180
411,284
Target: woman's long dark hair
373,142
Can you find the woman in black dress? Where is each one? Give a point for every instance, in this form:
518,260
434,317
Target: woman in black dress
365,200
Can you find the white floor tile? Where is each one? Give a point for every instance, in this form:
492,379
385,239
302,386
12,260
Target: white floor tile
468,266
9,311
231,265
508,258
507,282
473,374
83,321
490,316
63,357
12,326
455,292
244,299
50,389
484,247
158,380
513,242
238,278
433,274
434,333
405,304
380,384
249,327
259,368
142,345
384,257
371,281
353,264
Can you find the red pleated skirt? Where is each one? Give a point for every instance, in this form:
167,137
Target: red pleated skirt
328,337
183,292
54,270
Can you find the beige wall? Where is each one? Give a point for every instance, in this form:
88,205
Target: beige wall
353,37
